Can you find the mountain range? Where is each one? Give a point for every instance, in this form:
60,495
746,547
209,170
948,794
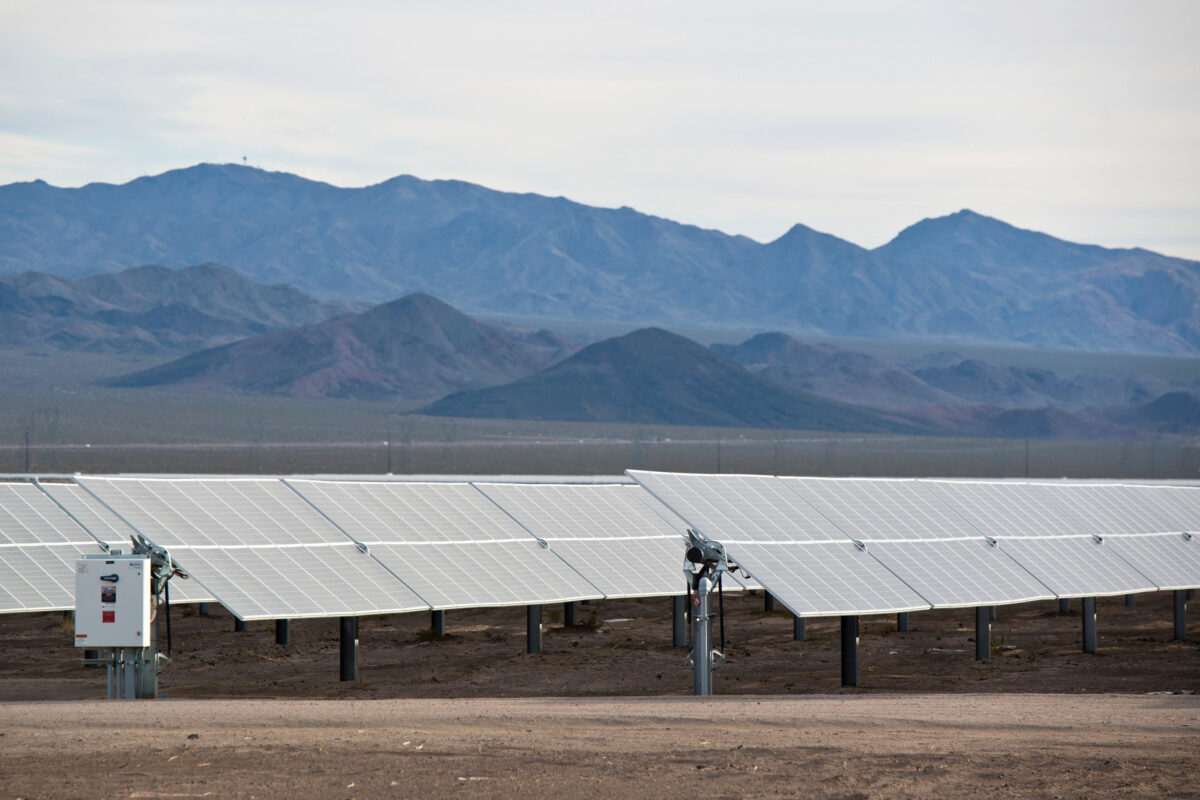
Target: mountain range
960,277
150,309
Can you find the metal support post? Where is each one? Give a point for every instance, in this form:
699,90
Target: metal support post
983,633
799,629
850,650
437,623
678,623
702,666
569,615
1180,614
1130,600
349,649
1089,625
992,613
130,681
902,621
1064,606
1191,595
239,626
203,610
283,632
111,674
768,601
533,629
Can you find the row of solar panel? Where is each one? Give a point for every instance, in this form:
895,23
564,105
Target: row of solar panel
284,549
271,548
830,546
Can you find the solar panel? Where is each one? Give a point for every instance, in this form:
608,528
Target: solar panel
826,578
1112,509
107,526
1171,560
1180,506
819,571
1008,509
606,532
735,508
959,573
39,545
453,545
256,546
1077,566
869,510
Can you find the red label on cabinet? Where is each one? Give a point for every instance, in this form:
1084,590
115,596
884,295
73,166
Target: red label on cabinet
108,616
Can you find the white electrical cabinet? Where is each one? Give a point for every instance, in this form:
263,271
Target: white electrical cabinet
112,601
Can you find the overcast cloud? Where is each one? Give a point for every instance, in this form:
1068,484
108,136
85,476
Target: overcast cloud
1081,119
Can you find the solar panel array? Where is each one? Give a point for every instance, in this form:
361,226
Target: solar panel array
951,543
270,548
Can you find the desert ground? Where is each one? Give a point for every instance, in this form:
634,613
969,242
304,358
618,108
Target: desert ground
605,710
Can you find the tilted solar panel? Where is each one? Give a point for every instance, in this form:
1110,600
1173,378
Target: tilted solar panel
261,550
105,525
453,545
606,532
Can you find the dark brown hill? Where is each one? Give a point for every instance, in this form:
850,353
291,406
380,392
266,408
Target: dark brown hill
413,349
653,376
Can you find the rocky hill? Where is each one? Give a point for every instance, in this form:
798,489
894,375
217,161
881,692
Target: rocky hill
653,376
413,349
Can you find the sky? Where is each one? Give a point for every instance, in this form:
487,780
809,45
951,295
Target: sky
1080,119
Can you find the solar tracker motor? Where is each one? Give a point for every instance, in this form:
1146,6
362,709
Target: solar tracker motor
705,563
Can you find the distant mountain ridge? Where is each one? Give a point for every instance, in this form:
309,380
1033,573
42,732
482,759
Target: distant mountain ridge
149,309
653,376
410,350
963,276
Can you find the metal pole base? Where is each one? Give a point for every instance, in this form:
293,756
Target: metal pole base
283,632
437,623
1180,614
768,602
850,651
1089,625
203,610
799,629
349,649
533,629
239,626
983,633
902,621
1064,606
569,615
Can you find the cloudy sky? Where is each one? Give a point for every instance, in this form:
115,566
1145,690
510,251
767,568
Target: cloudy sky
1081,119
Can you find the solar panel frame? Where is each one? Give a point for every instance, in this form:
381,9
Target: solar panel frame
882,509
1078,566
418,529
960,573
608,533
826,579
218,527
106,526
1171,560
791,519
1009,509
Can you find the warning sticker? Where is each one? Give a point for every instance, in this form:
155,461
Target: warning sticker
108,616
